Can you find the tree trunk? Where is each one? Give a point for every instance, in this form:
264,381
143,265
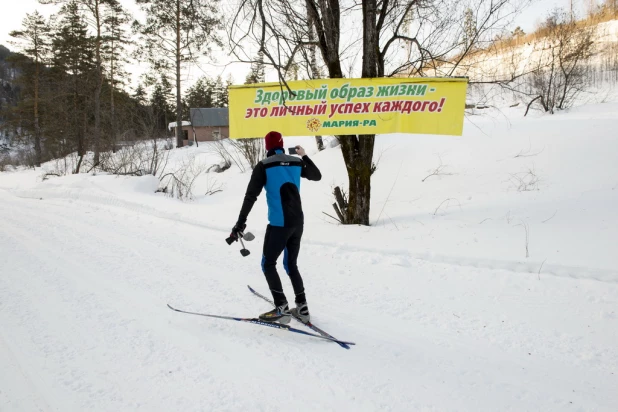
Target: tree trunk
370,39
97,92
81,132
532,101
358,151
328,34
550,100
358,156
78,134
37,128
179,140
112,108
315,73
319,142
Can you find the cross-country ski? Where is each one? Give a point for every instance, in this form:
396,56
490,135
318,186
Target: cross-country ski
263,323
308,324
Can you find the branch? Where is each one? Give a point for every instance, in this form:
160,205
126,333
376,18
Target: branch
552,216
530,104
334,218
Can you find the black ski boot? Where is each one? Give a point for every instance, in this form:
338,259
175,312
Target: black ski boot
279,314
301,311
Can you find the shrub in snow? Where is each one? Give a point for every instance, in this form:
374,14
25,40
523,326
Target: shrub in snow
180,182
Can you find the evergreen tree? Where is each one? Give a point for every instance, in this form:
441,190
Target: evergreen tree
115,20
75,66
256,73
140,94
9,90
175,33
36,43
4,53
96,11
518,32
469,31
206,93
200,94
221,94
160,102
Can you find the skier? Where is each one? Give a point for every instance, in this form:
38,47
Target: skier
280,174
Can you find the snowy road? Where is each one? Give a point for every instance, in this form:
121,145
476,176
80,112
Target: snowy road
83,293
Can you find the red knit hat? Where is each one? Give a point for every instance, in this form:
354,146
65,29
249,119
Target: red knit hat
273,139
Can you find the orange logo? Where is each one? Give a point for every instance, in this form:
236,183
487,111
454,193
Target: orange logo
313,124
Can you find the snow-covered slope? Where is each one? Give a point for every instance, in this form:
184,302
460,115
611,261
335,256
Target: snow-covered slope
489,286
526,55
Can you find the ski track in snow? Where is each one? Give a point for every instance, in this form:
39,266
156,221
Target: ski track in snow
397,256
86,327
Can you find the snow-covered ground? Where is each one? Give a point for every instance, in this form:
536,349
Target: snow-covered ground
490,286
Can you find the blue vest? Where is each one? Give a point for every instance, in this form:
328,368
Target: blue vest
283,173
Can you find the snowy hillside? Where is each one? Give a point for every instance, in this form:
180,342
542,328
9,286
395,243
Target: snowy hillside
525,55
490,285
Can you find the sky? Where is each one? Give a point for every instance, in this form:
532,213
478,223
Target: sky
14,11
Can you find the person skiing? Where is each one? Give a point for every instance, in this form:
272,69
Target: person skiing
280,175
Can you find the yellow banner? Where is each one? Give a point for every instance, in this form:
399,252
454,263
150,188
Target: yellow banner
348,106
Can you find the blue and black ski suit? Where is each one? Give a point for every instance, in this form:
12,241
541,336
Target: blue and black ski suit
280,175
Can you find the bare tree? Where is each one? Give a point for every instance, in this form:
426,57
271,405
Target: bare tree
180,182
552,74
432,30
561,73
252,150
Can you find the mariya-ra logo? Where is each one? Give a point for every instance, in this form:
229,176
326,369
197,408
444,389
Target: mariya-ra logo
314,124
350,123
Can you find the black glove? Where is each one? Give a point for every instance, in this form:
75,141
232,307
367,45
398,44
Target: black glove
237,230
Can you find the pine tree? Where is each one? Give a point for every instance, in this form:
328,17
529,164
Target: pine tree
292,72
36,44
206,93
175,33
201,94
10,91
140,94
469,31
75,65
518,32
160,102
220,92
95,10
115,37
256,73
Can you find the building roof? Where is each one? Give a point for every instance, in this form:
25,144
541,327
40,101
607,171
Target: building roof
214,117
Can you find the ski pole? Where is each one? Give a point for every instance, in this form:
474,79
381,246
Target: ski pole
248,236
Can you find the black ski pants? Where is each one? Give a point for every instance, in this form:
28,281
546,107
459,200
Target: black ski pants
287,240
